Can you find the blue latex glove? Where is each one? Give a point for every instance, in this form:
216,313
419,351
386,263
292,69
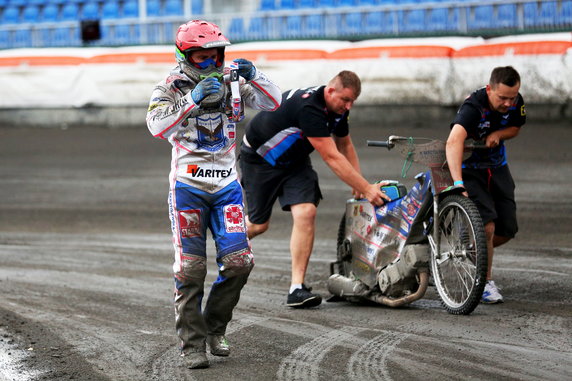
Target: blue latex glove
205,88
245,68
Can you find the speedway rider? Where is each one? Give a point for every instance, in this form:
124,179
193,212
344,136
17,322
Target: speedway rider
192,109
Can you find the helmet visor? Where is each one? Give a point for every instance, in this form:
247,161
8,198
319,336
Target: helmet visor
187,55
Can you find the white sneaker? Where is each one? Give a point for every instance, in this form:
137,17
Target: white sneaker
491,294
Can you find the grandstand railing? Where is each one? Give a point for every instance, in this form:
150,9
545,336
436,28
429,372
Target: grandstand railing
429,18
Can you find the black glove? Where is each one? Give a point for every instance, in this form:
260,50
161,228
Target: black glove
205,88
245,68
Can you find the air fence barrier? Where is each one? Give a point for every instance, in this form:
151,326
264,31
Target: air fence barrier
402,78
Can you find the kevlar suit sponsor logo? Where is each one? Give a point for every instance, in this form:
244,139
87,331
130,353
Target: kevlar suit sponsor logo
210,133
197,171
234,218
190,223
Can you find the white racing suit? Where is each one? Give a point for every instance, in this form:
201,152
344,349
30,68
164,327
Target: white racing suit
204,193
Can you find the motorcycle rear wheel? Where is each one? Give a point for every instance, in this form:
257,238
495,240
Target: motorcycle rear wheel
343,250
460,269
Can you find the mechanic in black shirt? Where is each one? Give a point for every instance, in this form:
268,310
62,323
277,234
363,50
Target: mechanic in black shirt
275,164
491,114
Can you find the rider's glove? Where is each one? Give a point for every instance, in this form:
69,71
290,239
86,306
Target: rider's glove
205,88
245,68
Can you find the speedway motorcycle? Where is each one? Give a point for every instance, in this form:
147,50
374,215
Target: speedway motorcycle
387,254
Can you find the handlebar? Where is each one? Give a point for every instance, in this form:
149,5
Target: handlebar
380,143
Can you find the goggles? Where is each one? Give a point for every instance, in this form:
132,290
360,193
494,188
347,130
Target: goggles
186,55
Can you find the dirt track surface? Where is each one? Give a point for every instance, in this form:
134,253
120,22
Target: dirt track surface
86,285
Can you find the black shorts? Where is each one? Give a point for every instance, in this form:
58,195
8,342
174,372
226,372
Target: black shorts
492,190
263,184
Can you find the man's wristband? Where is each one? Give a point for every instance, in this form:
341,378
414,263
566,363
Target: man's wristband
458,182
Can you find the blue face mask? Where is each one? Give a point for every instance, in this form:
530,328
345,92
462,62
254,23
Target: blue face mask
205,64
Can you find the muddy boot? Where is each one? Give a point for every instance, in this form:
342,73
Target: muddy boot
219,345
195,360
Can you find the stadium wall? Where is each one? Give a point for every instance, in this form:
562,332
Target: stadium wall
421,78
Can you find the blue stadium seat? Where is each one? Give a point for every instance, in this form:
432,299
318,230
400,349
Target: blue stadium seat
483,17
37,2
379,22
367,2
236,29
18,3
110,10
530,14
5,40
347,3
50,13
326,3
131,9
565,16
153,8
548,13
31,14
314,26
267,5
438,19
11,15
506,15
257,29
292,27
352,24
64,36
173,8
414,20
57,1
287,4
197,7
90,11
3,3
70,11
307,4
22,38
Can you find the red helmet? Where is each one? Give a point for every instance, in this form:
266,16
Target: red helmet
195,35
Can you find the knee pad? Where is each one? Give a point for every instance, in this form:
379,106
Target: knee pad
193,268
237,263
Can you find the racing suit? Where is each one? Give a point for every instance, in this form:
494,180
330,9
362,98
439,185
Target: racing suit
204,192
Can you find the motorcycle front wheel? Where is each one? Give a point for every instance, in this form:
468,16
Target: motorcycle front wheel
459,268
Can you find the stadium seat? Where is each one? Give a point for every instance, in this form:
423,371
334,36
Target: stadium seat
414,20
352,24
267,5
49,13
438,19
90,11
483,17
236,29
5,40
153,8
379,22
530,13
506,15
197,7
306,4
18,3
131,9
326,3
257,29
287,4
547,13
65,36
11,15
314,26
4,3
173,8
292,27
31,14
565,16
70,12
37,2
110,10
347,3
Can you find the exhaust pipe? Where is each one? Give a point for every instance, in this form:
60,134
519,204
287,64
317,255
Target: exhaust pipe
423,283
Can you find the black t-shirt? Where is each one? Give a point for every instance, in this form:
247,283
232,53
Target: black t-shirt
480,121
280,137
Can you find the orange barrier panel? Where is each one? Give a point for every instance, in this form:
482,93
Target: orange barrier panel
516,48
413,51
421,51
